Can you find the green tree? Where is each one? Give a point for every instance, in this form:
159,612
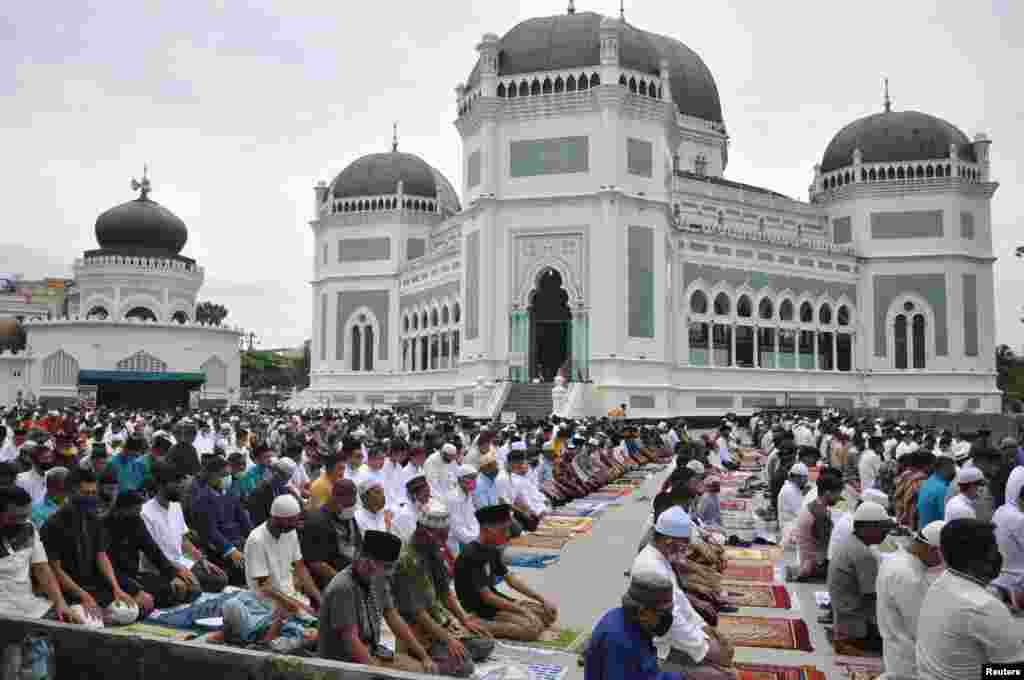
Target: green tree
210,313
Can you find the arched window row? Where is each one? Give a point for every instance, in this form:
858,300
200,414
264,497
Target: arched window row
466,103
384,203
510,89
826,313
643,87
430,338
745,330
910,171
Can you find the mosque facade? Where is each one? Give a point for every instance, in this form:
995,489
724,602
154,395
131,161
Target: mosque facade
130,338
596,237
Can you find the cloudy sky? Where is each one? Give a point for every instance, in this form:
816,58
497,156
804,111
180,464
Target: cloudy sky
240,107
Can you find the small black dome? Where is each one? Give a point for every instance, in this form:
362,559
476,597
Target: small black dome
379,173
895,136
141,227
568,41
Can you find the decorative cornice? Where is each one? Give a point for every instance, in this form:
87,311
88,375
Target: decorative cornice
918,257
889,188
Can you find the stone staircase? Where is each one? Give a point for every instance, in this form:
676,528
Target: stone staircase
529,400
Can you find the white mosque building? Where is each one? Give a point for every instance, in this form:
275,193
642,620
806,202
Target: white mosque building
597,238
133,340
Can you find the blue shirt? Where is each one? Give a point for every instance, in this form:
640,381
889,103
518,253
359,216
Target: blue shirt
131,472
42,510
486,492
620,650
219,518
931,500
546,474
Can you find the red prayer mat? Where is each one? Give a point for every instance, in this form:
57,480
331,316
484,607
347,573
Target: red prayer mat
746,671
766,633
758,571
743,594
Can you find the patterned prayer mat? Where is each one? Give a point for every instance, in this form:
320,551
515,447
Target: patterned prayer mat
746,671
736,476
578,524
743,594
538,541
531,560
560,639
766,633
758,571
770,553
860,667
569,513
735,504
153,630
848,650
554,531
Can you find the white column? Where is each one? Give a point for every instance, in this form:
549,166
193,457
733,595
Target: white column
814,349
778,332
711,343
757,346
835,348
732,342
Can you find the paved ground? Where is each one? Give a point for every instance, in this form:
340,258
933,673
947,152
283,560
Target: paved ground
588,580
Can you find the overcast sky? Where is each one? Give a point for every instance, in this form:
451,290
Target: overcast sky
240,107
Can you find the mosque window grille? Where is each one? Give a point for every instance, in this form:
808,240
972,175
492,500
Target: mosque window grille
431,336
142,361
60,368
728,334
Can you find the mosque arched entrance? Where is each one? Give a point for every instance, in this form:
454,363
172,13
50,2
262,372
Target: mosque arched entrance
550,327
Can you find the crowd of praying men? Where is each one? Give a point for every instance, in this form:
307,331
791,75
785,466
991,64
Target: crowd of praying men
341,519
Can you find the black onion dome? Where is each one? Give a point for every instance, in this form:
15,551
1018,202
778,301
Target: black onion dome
141,227
569,41
895,136
379,173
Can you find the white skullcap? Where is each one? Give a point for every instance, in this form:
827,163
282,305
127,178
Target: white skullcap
870,511
449,449
518,446
875,496
674,523
285,506
369,483
467,470
284,465
696,466
970,475
930,534
798,470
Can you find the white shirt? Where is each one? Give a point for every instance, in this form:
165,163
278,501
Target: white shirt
842,528
32,482
392,484
901,587
204,444
404,523
273,557
868,466
526,492
441,476
16,596
960,506
167,527
687,632
790,501
464,527
960,627
503,487
370,521
8,452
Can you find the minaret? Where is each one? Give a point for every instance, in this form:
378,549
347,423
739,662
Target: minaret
887,103
394,136
143,186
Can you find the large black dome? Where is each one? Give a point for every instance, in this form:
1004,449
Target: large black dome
379,173
141,227
567,41
895,136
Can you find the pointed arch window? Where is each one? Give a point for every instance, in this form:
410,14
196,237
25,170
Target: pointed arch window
918,341
900,341
357,347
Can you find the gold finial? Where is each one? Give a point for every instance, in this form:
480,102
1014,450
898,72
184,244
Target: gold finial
887,101
143,186
572,7
394,136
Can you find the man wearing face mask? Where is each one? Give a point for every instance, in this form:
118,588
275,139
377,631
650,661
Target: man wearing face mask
259,501
34,480
693,648
220,520
165,521
22,558
477,572
77,545
56,480
425,599
355,604
464,527
273,560
962,624
108,490
621,645
129,465
331,538
418,492
373,516
486,492
901,587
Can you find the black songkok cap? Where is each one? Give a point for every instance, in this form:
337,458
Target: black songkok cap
381,546
492,515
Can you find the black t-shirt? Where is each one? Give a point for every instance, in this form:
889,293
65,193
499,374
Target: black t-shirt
75,539
478,567
322,536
